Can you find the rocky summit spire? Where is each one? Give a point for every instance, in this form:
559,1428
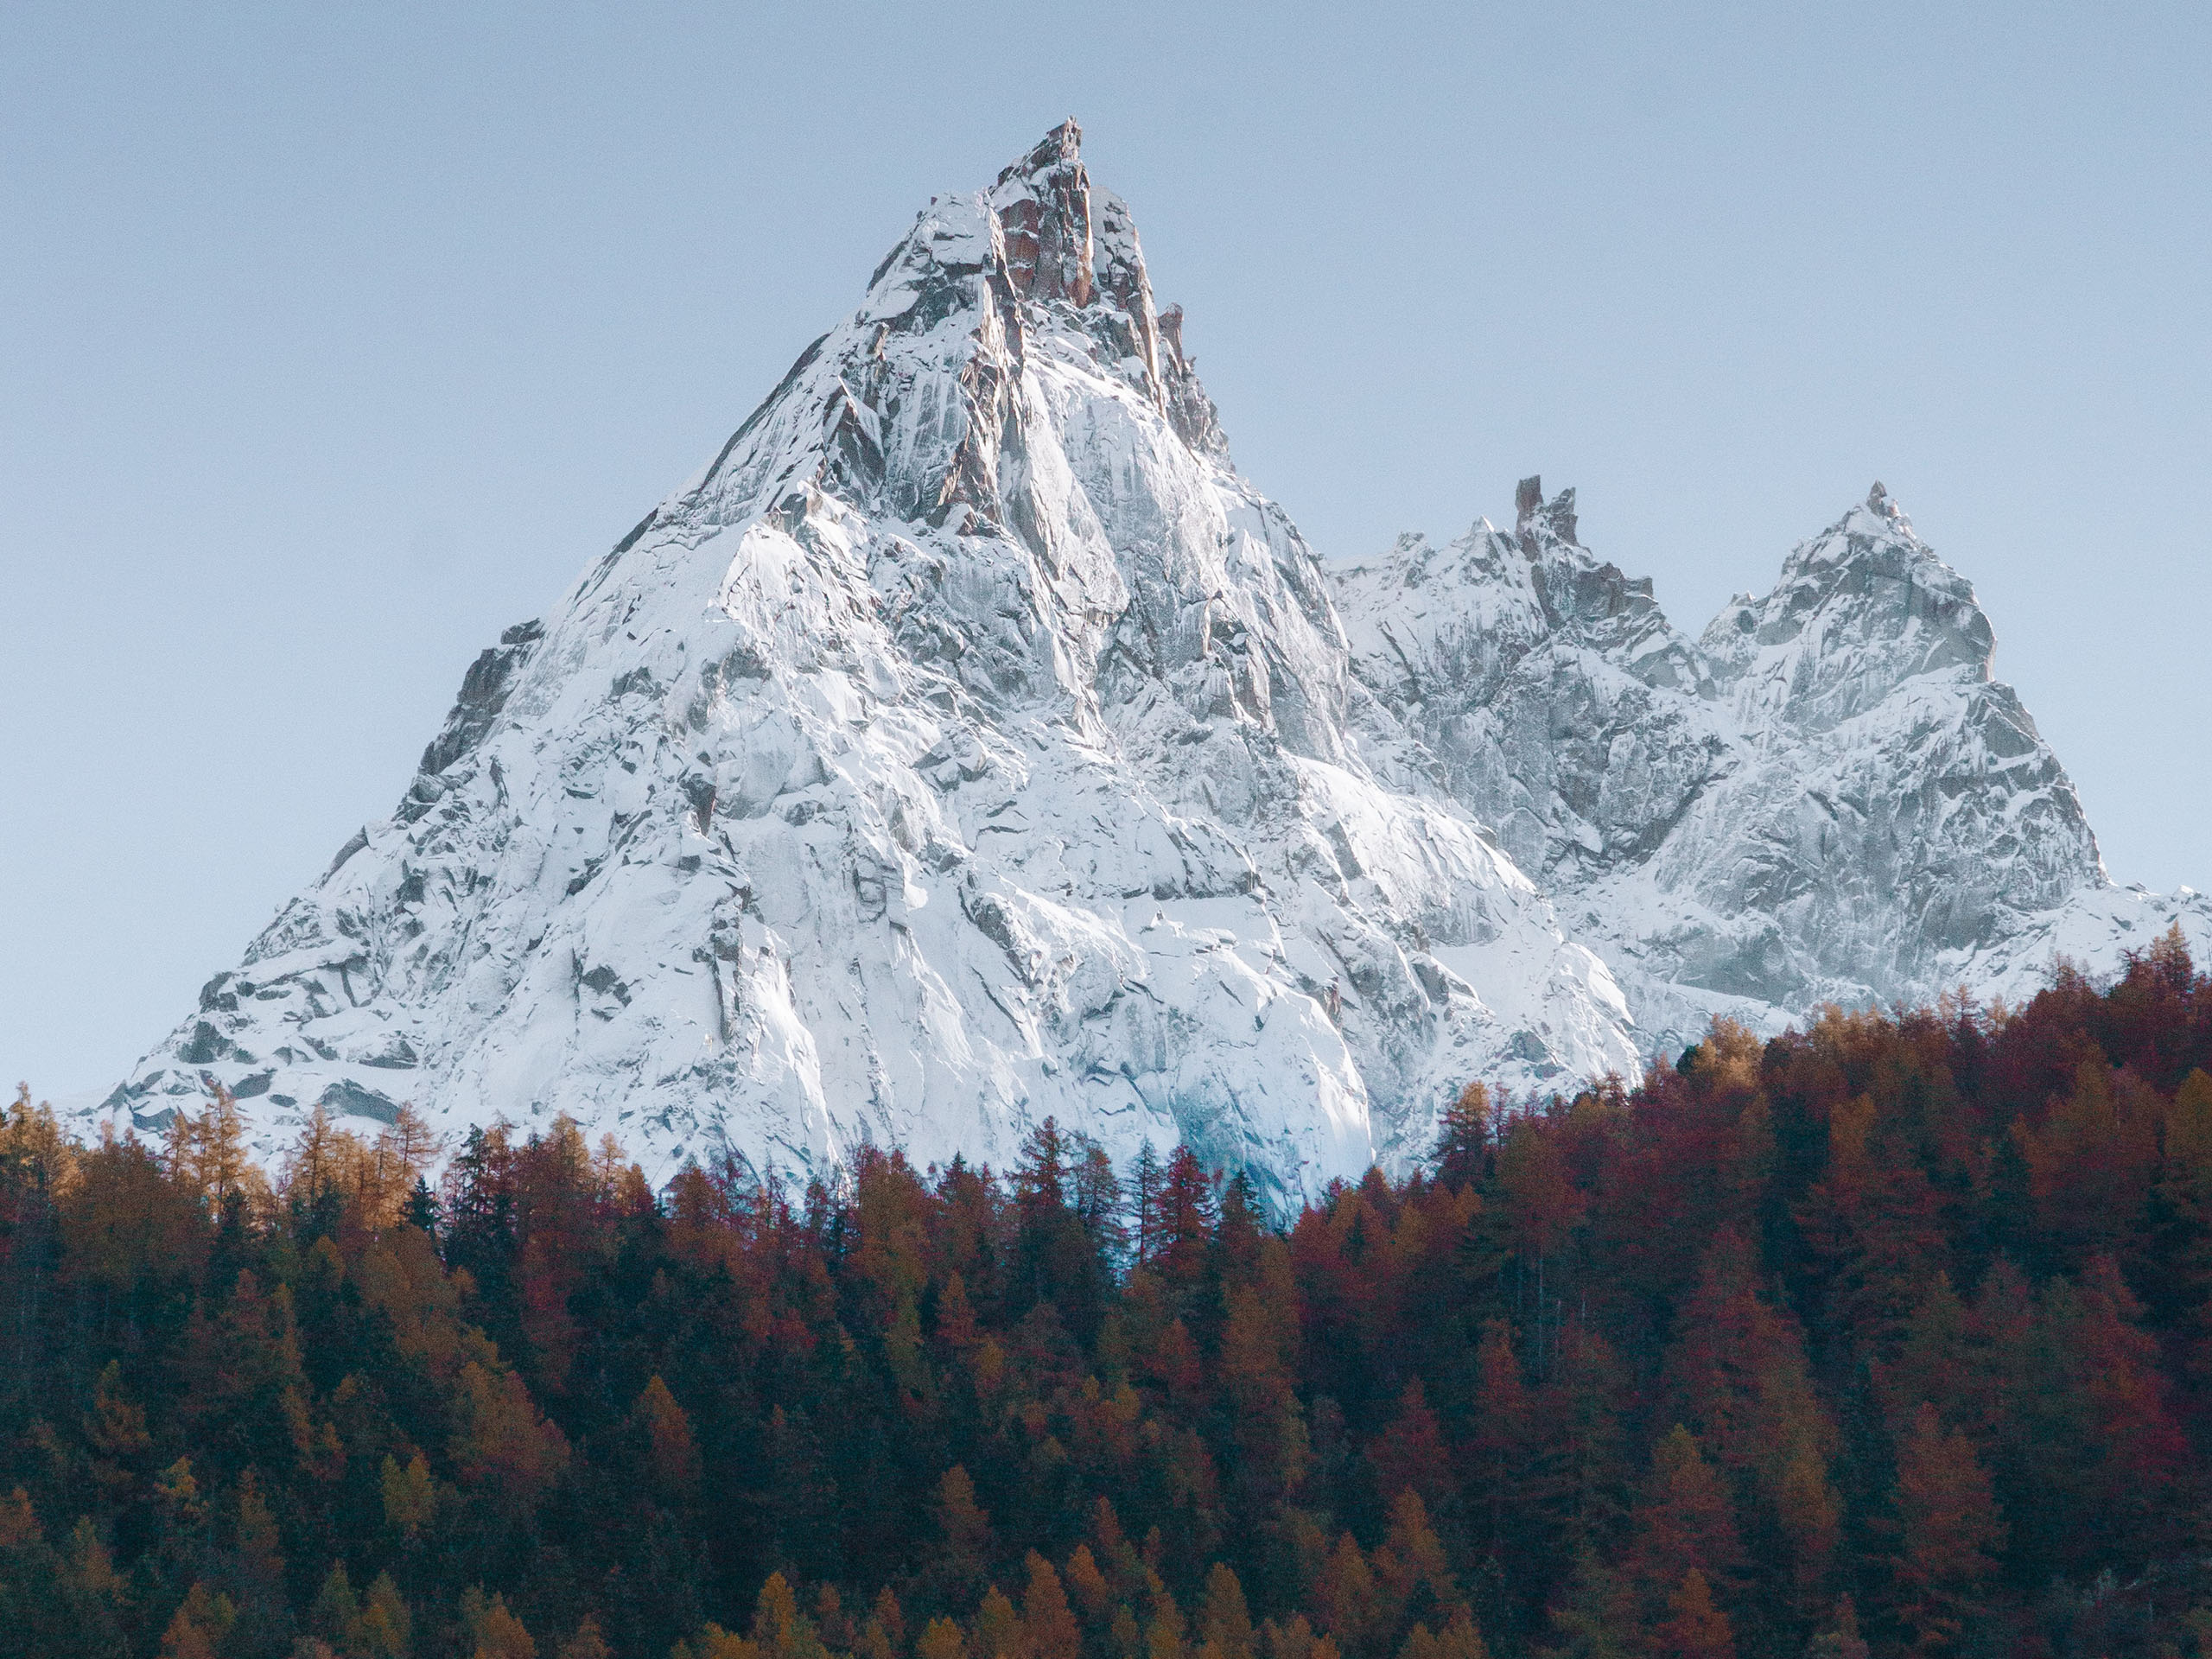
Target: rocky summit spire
1043,202
1532,513
1528,496
1880,502
1069,242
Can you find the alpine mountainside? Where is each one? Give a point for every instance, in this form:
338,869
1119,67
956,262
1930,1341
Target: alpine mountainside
965,744
968,744
1825,797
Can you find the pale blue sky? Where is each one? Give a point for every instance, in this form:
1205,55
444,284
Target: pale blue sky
335,339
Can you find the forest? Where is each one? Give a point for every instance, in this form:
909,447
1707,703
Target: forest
1889,1337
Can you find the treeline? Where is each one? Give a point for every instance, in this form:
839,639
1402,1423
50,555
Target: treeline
1891,1338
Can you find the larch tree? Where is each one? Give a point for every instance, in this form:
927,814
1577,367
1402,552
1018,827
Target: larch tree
1947,1527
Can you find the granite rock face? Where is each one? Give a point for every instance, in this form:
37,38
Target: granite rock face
965,743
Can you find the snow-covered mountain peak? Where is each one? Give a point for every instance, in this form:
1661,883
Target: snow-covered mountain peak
965,743
1535,679
1827,796
1859,609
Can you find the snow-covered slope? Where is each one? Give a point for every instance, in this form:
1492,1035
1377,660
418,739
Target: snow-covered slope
965,743
1825,797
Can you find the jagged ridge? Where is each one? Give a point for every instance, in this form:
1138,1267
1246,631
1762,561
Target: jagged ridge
1825,797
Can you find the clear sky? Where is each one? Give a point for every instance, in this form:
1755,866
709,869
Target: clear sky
334,339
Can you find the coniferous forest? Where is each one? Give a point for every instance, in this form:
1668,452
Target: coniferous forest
1889,1338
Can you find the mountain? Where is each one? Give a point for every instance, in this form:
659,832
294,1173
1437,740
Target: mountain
968,743
965,744
1825,797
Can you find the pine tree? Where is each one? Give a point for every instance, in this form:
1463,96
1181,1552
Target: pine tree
1410,1454
1948,1526
1462,1152
1186,1220
1694,1627
887,1620
311,1167
1459,1639
1584,1477
712,1642
1164,1631
385,1628
1596,1619
1224,1621
211,1155
1087,1585
781,1631
1347,1600
409,1496
588,1643
998,1629
963,1555
117,1431
1048,1626
422,1207
1145,1183
1503,1452
1295,1639
1097,1200
1686,1522
197,1628
2179,1262
1542,1206
260,1557
490,1630
336,1608
672,1454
